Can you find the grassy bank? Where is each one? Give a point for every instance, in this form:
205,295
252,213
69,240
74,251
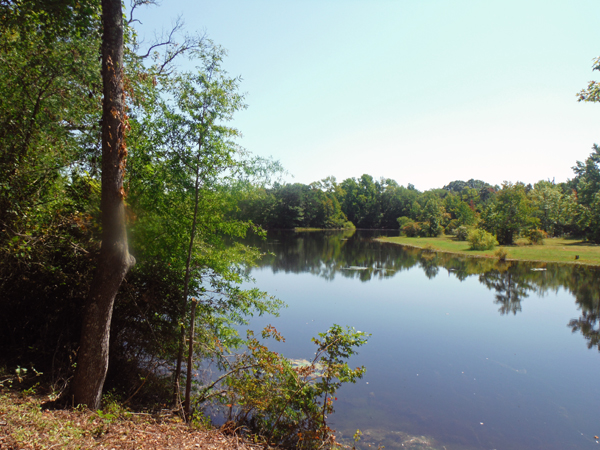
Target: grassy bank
563,250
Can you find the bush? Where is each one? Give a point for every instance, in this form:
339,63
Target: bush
462,233
403,221
501,254
412,229
481,240
430,229
287,402
450,229
535,236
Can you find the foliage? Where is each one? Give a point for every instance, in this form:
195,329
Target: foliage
501,254
403,221
50,196
462,233
536,236
359,200
509,213
412,229
288,403
293,206
552,207
592,92
49,80
460,211
481,240
431,217
586,215
186,171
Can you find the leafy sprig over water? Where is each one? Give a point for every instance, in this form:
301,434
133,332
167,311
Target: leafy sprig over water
287,402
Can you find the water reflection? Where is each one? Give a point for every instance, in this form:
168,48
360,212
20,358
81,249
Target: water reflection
509,292
355,254
480,357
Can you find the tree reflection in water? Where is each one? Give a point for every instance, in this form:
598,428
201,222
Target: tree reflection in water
355,254
509,292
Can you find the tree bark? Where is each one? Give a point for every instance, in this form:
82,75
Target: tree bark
187,405
114,260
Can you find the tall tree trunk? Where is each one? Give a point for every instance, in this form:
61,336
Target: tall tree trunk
187,404
114,260
186,288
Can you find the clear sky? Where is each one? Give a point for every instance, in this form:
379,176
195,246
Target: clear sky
421,91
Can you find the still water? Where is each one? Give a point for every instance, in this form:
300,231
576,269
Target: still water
464,353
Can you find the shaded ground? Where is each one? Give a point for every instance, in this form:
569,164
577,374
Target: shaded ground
23,425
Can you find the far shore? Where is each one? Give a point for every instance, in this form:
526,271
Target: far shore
557,250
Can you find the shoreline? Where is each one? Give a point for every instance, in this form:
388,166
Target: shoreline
489,254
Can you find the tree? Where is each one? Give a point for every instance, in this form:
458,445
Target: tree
49,104
49,80
461,212
431,216
587,177
114,260
361,201
592,92
509,213
204,151
186,177
555,209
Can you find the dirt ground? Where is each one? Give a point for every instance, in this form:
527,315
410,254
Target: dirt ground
24,425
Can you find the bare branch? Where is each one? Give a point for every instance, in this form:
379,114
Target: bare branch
168,43
160,42
135,4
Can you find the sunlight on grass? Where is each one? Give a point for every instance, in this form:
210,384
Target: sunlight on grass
564,250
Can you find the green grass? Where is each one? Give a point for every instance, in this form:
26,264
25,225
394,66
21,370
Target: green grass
561,250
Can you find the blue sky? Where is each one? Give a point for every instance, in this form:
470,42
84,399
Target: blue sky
421,91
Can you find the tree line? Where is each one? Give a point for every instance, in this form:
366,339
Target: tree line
508,211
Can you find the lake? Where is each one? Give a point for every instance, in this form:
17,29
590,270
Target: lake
464,353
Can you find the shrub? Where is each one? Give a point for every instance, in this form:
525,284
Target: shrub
412,229
481,240
430,229
450,229
403,221
501,254
286,402
535,236
462,233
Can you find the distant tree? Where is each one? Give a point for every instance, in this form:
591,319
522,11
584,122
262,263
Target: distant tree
587,177
592,92
431,216
555,209
360,201
508,214
290,204
322,209
460,210
587,174
458,186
